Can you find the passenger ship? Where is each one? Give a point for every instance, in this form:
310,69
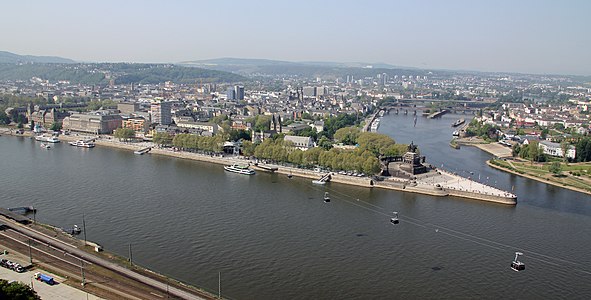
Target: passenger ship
236,168
82,143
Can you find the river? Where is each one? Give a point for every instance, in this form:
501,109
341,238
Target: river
272,237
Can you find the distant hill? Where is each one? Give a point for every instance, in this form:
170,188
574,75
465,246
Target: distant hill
11,58
122,73
313,68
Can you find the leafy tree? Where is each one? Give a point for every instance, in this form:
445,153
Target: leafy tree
583,149
555,168
4,119
162,138
310,131
324,143
236,135
260,122
558,126
124,134
17,291
564,146
248,148
56,126
347,135
515,150
544,133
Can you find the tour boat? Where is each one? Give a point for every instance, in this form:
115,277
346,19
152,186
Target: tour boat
236,168
458,123
47,139
82,143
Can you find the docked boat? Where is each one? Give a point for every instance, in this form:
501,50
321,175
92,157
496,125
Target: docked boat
76,230
458,123
47,139
456,133
289,175
142,151
240,169
375,125
82,143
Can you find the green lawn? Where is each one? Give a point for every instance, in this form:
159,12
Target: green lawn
542,171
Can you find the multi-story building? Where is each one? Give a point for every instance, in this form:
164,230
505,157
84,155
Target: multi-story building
137,124
555,149
92,123
301,142
239,92
209,127
128,107
161,112
235,93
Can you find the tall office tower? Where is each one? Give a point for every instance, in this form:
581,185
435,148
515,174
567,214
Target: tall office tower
239,92
161,112
231,94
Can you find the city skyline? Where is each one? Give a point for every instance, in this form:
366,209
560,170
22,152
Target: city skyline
539,37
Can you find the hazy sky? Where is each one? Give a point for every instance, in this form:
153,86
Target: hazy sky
535,36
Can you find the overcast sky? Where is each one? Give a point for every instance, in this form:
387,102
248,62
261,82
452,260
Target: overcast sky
535,36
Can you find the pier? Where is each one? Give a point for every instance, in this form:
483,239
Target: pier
14,216
142,151
266,168
23,210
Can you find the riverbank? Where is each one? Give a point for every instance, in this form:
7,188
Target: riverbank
495,149
548,178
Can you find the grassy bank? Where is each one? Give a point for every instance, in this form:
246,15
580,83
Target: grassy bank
575,176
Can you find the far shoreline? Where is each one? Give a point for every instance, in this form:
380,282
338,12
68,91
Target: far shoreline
367,182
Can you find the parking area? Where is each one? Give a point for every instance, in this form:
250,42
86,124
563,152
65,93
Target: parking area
45,291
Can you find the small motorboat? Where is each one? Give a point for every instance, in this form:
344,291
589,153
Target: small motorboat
76,230
326,197
45,146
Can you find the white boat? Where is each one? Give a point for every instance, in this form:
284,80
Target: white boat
47,139
456,133
76,229
82,143
240,169
326,197
318,182
45,146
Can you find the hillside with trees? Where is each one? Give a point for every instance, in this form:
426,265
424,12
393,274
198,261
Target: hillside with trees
122,73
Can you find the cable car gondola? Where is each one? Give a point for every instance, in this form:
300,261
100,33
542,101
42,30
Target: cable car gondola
516,265
395,219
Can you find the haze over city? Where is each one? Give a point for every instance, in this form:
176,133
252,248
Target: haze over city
543,37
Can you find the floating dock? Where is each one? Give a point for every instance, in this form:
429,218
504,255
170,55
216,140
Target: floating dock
142,151
437,114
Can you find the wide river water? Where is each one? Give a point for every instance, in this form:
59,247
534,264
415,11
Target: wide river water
272,237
